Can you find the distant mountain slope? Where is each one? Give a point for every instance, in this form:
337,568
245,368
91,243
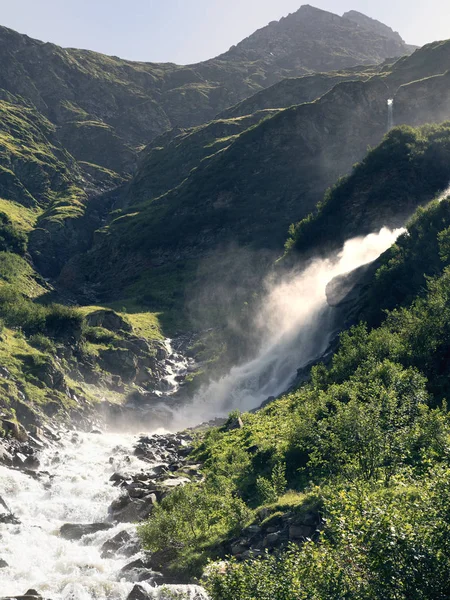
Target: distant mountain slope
374,25
105,107
246,186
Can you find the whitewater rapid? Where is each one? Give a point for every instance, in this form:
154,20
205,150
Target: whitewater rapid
78,491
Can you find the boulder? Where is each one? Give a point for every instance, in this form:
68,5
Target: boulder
5,457
138,593
300,532
3,564
71,531
123,544
15,430
6,516
108,319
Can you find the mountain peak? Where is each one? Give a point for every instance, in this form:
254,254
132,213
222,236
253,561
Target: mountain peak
373,25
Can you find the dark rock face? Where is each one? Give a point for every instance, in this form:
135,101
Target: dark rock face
346,289
276,533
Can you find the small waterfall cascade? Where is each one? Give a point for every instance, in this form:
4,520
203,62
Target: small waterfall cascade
390,105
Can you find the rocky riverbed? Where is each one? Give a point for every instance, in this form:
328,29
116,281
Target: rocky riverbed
68,508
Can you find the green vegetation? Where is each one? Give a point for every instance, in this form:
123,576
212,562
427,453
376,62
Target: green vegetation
407,169
365,444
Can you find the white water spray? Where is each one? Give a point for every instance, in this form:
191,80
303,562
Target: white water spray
297,326
390,104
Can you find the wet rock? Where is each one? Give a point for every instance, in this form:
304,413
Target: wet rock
138,593
123,544
6,516
71,531
128,510
5,457
29,595
32,463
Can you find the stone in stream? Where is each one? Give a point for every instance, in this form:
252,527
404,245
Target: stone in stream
71,531
5,457
29,595
6,516
128,510
123,543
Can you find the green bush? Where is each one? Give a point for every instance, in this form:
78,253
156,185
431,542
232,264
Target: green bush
55,320
378,543
193,518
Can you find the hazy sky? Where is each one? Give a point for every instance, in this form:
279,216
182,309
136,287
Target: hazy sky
186,31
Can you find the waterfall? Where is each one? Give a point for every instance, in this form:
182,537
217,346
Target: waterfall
390,104
297,326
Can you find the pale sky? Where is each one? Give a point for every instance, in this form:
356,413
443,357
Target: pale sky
187,31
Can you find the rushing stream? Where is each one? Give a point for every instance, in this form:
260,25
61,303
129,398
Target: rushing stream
79,491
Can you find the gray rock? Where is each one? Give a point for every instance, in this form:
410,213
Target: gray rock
5,457
6,516
71,531
272,540
3,564
238,548
122,543
138,593
108,319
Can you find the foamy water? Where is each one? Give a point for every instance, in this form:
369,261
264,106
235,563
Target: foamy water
80,492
